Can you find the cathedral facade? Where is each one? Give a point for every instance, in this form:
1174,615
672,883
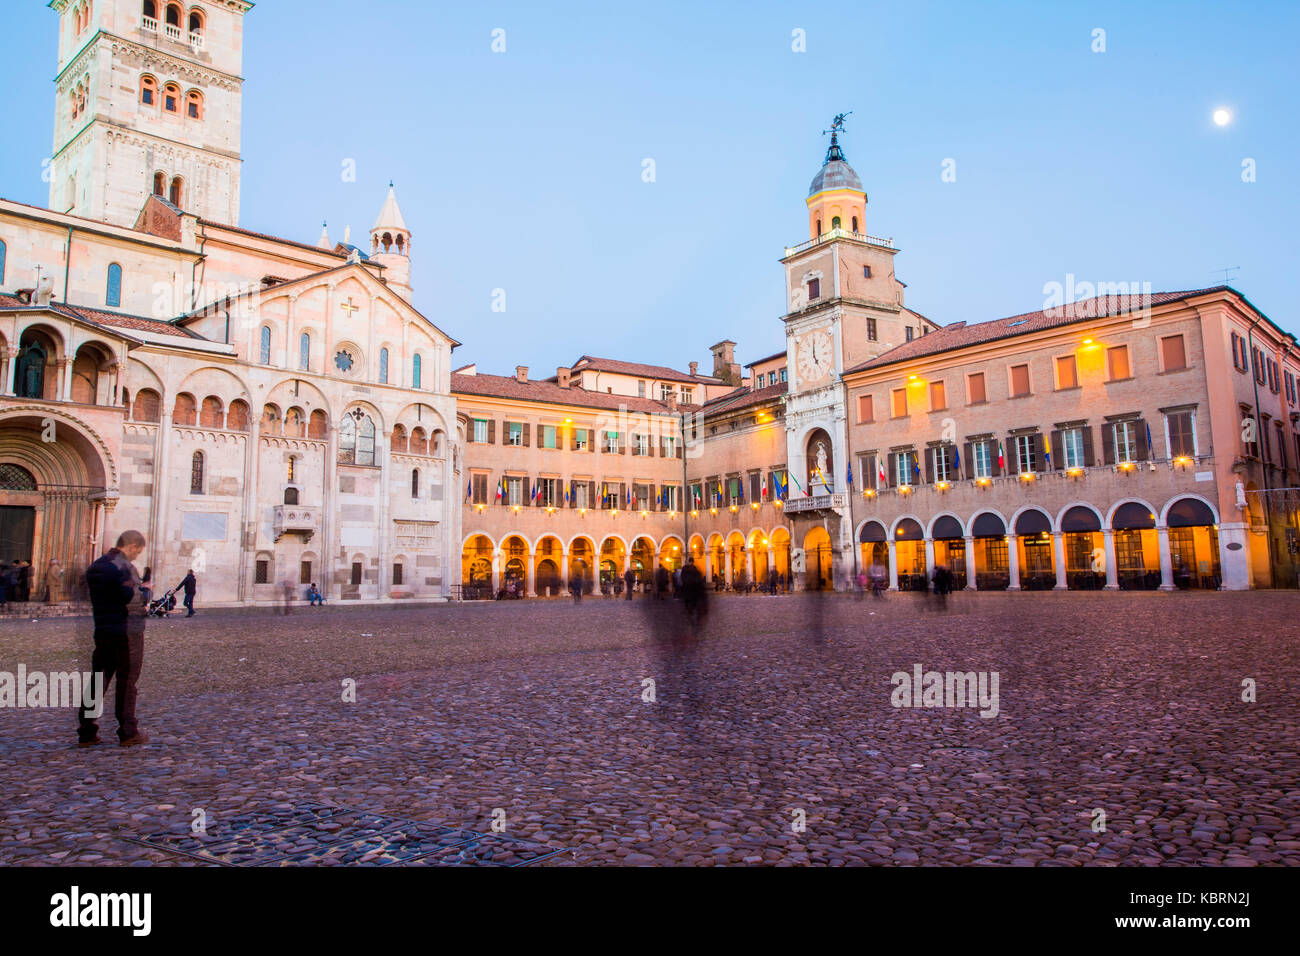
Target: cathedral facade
275,413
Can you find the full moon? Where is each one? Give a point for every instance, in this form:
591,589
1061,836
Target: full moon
1222,117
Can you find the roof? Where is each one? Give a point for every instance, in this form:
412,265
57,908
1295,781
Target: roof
592,363
774,355
116,320
745,397
961,335
390,217
263,235
507,386
835,175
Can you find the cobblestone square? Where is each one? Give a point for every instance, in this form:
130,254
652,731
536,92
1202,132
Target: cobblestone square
540,717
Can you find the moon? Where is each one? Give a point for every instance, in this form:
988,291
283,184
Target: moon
1222,117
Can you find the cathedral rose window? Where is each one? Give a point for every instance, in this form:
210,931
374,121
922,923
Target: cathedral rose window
343,360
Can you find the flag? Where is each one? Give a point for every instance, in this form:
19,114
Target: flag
956,460
1002,459
764,488
500,491
880,473
1151,449
916,469
1047,447
850,476
567,489
799,486
469,490
740,488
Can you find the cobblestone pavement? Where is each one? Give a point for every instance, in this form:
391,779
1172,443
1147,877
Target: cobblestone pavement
1127,703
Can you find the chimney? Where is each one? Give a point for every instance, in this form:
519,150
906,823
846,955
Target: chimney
562,376
521,373
724,362
695,368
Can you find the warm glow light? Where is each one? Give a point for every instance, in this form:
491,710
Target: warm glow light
1087,341
941,485
870,493
1222,117
568,421
1074,472
1027,476
983,481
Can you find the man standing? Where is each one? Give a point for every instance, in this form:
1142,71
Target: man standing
119,638
189,584
629,579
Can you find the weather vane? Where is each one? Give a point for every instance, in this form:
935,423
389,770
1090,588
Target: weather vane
837,124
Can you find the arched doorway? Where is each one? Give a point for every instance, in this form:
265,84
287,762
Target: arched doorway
717,564
779,545
873,544
739,565
643,561
670,553
547,572
612,556
909,553
1193,545
36,373
1034,552
758,547
992,556
1137,547
52,502
1085,552
818,567
582,563
476,568
950,548
514,577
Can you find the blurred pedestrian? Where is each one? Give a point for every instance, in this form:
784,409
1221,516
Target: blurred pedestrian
286,591
629,579
694,595
119,640
661,582
146,586
189,585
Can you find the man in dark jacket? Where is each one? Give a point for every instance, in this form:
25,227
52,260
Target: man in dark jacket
119,638
188,584
695,597
629,578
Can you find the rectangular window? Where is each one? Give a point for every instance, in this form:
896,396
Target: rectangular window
755,486
580,439
479,484
1173,355
514,433
814,289
640,389
1117,362
871,330
480,429
1236,352
942,462
1281,444
1067,372
666,393
975,385
356,572
1027,453
866,409
673,497
1071,450
397,573
550,492
907,333
866,272
867,472
611,443
581,499
1019,380
304,572
1268,444
898,400
548,436
688,396
1182,434
1125,441
262,572
771,377
903,474
642,444
982,451
669,446
938,398
783,375
514,491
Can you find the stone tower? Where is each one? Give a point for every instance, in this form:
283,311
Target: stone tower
148,100
390,246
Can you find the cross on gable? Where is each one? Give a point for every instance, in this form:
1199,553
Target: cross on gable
349,308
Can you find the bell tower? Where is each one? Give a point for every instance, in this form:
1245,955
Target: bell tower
390,246
148,100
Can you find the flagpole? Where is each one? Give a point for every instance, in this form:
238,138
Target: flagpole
686,531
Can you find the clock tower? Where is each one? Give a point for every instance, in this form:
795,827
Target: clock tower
844,307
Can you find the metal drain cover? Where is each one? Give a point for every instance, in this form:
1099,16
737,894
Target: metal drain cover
959,752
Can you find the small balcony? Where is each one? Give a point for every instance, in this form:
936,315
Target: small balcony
150,25
840,234
295,519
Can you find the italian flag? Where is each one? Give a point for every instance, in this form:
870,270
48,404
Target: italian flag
1002,459
880,472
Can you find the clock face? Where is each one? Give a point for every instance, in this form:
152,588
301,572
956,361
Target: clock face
815,357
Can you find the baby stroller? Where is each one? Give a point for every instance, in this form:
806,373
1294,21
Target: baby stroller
160,606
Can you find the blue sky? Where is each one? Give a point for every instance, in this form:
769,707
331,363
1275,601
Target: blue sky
522,170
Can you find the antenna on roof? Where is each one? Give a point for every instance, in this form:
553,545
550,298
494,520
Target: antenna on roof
1227,279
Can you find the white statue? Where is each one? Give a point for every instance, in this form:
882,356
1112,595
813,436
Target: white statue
1241,495
821,462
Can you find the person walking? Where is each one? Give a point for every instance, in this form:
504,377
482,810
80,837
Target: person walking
189,585
661,582
629,581
146,586
6,586
119,640
21,586
695,595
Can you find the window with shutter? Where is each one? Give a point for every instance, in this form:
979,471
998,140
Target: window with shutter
515,433
1173,355
975,386
1182,434
898,400
1117,366
1067,372
866,413
480,430
1019,380
938,397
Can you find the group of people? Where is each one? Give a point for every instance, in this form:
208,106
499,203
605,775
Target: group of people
15,582
876,580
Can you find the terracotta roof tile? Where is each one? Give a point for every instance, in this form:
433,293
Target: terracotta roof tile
506,386
961,335
593,363
117,320
745,397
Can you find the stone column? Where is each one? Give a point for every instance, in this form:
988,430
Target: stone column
893,567
564,571
726,565
530,575
1058,554
970,564
385,496
929,557
10,357
1013,562
248,513
64,390
1112,572
1234,564
290,360
498,558
329,509
1166,561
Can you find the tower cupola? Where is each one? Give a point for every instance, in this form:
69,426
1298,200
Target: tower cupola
836,199
390,245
